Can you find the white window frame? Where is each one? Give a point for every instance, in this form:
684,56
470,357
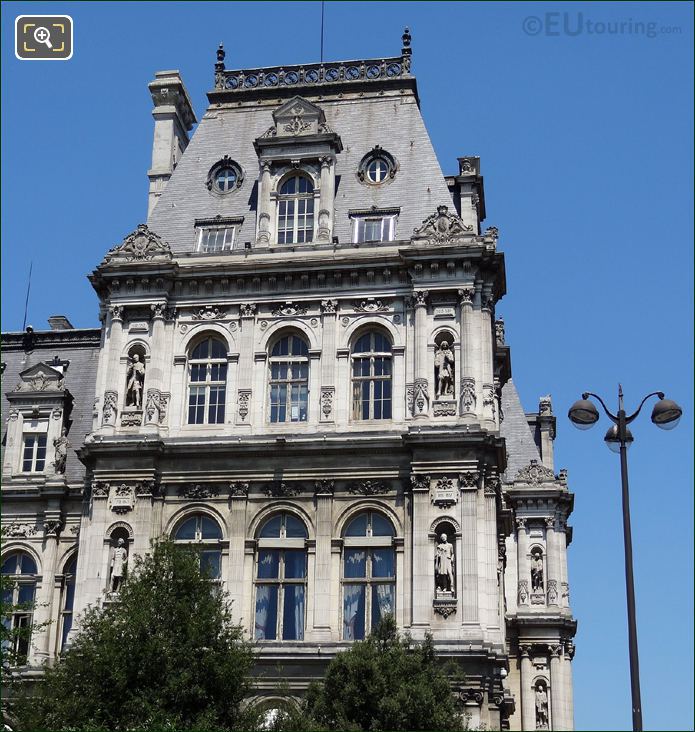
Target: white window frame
33,429
296,217
388,227
203,230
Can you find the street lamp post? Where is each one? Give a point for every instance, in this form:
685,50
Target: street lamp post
666,414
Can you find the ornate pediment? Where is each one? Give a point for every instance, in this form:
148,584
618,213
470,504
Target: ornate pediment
535,473
40,377
298,117
142,245
441,227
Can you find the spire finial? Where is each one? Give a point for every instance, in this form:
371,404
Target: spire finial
407,38
219,66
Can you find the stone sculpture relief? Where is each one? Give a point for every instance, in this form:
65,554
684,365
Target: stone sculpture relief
61,445
135,383
444,565
119,565
444,371
536,570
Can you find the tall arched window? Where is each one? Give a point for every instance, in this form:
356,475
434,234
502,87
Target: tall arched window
289,380
296,210
369,574
20,570
281,579
67,599
207,375
203,534
371,377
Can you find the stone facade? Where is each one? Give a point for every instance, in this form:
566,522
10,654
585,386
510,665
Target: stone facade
299,370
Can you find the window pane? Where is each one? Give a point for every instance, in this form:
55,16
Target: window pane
211,563
295,564
67,625
26,593
382,603
9,566
355,563
210,529
358,526
363,344
266,612
26,564
268,563
383,563
271,528
294,528
200,351
353,612
293,613
218,372
219,350
381,526
186,532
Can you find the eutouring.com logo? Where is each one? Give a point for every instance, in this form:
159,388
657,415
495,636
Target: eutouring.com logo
576,24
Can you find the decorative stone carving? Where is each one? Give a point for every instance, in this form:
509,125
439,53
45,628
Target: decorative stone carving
419,299
445,493
565,590
41,377
562,475
238,488
280,489
468,480
441,227
444,606
146,488
468,398
329,307
327,395
492,231
444,371
108,413
324,487
444,564
421,399
140,245
410,398
122,499
119,566
135,382
100,490
52,527
537,570
244,399
492,484
199,491
541,699
370,306
61,446
521,524
472,696
20,531
289,309
489,398
466,295
419,482
247,310
545,405
534,473
499,331
444,408
552,592
209,312
368,487
131,417
522,592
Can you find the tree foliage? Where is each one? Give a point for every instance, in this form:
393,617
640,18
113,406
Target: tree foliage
386,682
166,655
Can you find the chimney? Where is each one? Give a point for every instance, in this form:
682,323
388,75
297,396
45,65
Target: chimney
60,322
173,118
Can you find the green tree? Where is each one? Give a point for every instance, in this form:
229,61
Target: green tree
386,682
165,656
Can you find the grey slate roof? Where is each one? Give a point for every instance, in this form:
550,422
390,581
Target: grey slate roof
81,348
393,122
521,447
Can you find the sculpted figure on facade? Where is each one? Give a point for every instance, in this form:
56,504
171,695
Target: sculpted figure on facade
61,445
541,706
444,565
536,571
119,564
136,380
444,371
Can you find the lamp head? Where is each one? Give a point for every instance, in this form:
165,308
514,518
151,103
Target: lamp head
666,413
583,413
612,439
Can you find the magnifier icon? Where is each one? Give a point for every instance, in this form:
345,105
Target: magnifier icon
42,35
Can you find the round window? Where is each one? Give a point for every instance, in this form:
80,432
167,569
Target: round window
377,170
224,176
377,166
225,179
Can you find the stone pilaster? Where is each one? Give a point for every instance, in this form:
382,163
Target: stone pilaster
237,534
553,570
423,584
568,654
154,376
110,405
243,410
421,397
528,703
522,543
468,398
488,384
556,688
490,534
264,215
44,597
325,217
322,570
468,483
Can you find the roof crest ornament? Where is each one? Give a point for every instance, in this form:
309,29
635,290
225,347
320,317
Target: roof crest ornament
140,245
441,227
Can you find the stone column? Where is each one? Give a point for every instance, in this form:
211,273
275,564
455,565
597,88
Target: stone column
468,399
327,405
264,233
322,571
423,578
524,582
113,390
568,689
552,580
325,217
488,384
556,688
44,597
492,590
243,415
528,702
468,483
564,589
421,396
152,398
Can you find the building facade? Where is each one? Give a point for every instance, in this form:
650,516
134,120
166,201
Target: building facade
300,373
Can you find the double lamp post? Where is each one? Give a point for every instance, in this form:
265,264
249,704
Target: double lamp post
666,414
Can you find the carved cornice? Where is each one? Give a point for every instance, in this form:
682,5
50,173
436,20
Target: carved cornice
199,491
368,487
324,487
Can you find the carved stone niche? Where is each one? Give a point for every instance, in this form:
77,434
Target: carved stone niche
444,574
132,412
444,404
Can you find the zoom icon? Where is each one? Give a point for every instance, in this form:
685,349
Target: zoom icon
43,37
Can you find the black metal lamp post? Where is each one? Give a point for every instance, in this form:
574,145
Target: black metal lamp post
666,414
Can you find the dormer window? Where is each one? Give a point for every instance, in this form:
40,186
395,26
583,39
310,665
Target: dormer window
296,210
34,443
377,166
216,239
373,226
225,179
225,176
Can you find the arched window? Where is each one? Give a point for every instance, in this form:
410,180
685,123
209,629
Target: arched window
207,375
289,380
19,568
203,534
67,599
371,377
281,579
369,574
296,210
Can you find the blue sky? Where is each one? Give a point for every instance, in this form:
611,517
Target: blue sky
585,140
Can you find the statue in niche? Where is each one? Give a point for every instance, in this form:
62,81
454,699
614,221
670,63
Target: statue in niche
61,445
537,571
119,564
444,371
444,565
541,706
136,380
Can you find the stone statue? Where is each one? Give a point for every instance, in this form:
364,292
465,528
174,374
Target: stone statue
541,707
536,572
61,445
444,565
119,564
444,371
136,380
